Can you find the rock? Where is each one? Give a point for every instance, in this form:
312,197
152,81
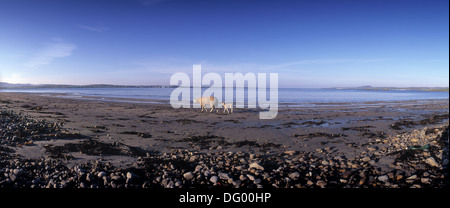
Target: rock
445,162
193,158
290,152
390,175
251,177
430,161
425,180
383,178
188,175
89,177
198,168
12,176
321,183
294,175
373,148
178,183
256,166
131,177
101,174
413,177
224,176
17,172
214,179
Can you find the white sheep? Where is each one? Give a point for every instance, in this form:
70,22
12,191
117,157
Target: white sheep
209,100
227,107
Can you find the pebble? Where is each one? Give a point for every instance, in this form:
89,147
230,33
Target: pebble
101,174
294,175
321,183
214,179
256,165
251,177
383,178
224,176
188,175
432,162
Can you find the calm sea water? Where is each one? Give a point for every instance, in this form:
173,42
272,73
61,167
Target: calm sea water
285,95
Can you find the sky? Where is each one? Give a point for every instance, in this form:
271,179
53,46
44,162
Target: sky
309,43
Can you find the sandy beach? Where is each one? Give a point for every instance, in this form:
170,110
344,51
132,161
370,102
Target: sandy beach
125,144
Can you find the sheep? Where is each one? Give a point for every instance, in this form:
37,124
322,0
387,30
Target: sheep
209,100
226,107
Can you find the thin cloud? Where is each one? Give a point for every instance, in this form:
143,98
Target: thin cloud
56,49
95,28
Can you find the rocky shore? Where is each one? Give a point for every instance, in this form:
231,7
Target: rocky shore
412,159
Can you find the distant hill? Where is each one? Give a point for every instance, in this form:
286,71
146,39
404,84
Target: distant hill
368,87
5,85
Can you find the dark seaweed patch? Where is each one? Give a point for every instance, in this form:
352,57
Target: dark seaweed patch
319,134
434,119
94,147
139,134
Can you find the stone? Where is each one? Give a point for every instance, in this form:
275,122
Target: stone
178,183
321,183
294,175
256,166
131,176
214,179
413,177
425,180
101,174
12,176
188,175
224,176
445,162
251,177
383,178
193,158
290,152
430,161
17,171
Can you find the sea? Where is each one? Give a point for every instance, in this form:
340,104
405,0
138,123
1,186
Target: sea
287,97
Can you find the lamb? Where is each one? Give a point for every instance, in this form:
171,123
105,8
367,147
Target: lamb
227,106
209,100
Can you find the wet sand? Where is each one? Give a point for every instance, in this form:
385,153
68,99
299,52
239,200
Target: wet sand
345,130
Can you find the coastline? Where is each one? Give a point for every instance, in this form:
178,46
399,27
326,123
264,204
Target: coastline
198,149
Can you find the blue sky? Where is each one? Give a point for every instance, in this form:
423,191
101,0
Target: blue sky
336,43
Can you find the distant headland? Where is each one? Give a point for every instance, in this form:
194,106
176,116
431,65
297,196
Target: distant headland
368,87
5,85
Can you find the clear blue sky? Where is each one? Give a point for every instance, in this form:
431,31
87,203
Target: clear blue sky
336,43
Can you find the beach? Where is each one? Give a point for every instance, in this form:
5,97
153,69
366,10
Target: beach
51,141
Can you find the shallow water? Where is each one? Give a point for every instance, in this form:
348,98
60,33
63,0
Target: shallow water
287,97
